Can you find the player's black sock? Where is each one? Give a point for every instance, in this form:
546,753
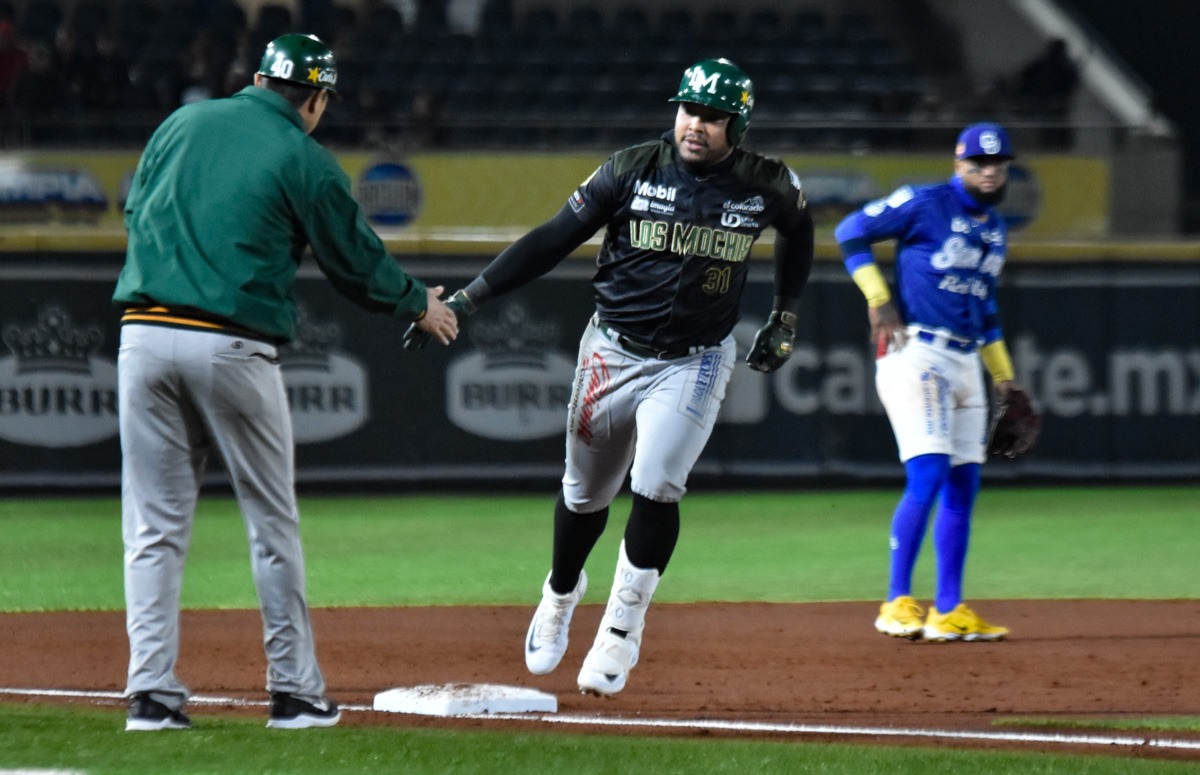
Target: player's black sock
574,537
651,533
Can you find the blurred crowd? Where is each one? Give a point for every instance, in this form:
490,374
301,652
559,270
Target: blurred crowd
67,64
83,72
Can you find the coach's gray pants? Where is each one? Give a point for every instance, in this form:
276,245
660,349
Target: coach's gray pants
182,392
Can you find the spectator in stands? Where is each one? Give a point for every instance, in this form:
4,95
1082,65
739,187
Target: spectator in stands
107,79
422,130
1044,89
37,87
430,16
1048,82
14,61
241,64
71,66
203,73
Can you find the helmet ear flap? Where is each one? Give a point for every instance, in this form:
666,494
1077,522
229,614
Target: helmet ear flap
736,130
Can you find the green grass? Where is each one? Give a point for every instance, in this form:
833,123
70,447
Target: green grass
1163,724
779,547
65,554
90,740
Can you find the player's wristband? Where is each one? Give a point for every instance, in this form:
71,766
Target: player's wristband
995,358
870,281
478,291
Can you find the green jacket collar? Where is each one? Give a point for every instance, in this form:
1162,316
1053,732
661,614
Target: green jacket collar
274,101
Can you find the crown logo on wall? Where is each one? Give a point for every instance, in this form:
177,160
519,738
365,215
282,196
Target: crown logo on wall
53,343
514,338
312,344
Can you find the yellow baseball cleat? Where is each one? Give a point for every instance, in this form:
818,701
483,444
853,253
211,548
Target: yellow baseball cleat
902,617
960,624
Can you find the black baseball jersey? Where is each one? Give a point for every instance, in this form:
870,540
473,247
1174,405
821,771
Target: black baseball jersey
672,266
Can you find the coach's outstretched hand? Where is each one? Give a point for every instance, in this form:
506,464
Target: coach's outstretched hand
773,343
440,321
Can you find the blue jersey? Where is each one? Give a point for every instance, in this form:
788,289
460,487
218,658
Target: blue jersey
949,253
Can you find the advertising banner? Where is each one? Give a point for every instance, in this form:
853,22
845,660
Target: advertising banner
1050,197
1111,355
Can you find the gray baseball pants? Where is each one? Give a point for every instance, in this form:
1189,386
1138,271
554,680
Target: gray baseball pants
183,392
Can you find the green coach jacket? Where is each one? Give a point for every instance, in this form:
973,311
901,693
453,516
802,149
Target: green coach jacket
226,197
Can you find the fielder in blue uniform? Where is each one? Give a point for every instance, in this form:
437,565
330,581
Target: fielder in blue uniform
931,340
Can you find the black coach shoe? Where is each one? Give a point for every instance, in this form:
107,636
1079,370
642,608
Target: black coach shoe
150,715
291,712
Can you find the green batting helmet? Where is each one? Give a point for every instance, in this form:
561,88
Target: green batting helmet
720,84
302,59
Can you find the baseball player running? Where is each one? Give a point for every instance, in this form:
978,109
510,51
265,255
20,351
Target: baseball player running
680,214
930,343
225,198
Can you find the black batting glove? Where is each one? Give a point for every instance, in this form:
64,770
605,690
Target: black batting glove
773,343
459,303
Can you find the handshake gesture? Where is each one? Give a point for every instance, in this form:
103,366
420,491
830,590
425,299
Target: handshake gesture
440,321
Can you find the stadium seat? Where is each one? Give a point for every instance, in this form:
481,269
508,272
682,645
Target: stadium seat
272,21
134,23
764,24
631,23
585,19
496,16
806,27
675,24
718,25
538,21
88,16
853,28
41,20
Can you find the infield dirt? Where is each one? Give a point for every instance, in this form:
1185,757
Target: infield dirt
812,663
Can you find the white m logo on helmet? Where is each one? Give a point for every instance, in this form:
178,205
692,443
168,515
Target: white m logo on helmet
698,80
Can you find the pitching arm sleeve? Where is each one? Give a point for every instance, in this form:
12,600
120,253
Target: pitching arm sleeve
531,256
995,358
870,281
793,261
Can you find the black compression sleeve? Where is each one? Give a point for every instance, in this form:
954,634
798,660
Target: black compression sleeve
534,255
793,261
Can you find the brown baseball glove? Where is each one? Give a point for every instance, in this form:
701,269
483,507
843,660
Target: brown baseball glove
1015,425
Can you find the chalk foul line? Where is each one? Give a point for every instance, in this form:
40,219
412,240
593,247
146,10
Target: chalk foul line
833,730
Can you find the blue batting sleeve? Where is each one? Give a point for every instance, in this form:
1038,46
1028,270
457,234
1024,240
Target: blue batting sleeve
853,242
876,221
992,331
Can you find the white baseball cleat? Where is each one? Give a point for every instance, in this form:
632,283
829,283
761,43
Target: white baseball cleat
606,667
546,641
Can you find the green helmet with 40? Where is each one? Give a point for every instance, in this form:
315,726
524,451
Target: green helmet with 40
720,84
302,59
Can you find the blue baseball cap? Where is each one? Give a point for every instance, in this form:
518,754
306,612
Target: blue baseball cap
983,140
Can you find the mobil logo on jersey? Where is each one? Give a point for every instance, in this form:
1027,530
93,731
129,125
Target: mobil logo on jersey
326,387
655,190
55,390
516,384
654,198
